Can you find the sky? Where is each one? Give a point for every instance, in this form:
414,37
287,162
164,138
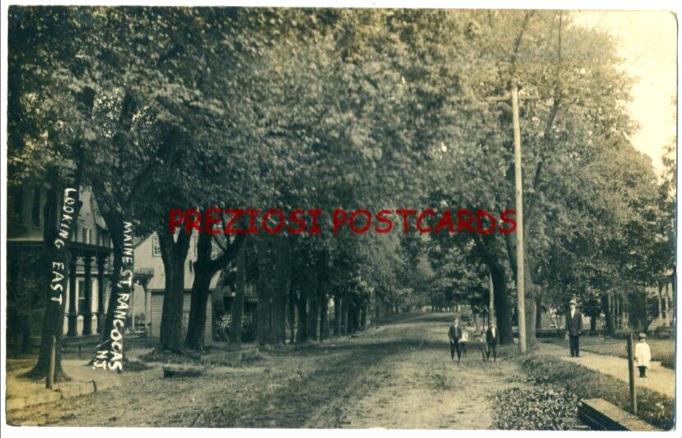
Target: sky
647,42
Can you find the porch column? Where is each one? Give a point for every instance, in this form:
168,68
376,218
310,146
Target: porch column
101,258
73,301
87,313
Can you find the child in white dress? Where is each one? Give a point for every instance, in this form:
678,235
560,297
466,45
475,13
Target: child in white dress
642,355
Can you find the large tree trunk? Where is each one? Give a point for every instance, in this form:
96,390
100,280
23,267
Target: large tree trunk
606,308
238,303
281,291
173,254
538,313
355,320
351,317
292,311
302,311
205,268
203,272
324,317
322,282
502,311
530,313
264,292
314,304
197,310
54,255
122,235
363,315
115,225
345,313
530,319
337,314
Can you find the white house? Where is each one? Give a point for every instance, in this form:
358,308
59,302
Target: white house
148,262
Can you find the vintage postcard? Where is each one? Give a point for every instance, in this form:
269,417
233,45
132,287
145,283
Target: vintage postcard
339,217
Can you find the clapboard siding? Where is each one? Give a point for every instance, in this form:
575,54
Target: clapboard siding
157,308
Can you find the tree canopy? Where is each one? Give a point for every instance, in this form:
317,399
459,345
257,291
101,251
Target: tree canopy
347,108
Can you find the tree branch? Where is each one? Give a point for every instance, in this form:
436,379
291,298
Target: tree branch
231,252
517,42
556,101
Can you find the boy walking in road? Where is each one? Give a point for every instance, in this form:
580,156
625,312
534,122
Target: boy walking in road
463,339
455,334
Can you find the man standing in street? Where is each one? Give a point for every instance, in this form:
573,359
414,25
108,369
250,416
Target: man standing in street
574,327
455,334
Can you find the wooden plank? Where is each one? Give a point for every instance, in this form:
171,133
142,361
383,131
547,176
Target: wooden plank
600,414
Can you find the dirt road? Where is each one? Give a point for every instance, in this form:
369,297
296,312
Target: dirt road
396,376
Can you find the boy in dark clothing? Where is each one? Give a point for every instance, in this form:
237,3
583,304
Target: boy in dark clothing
455,334
491,341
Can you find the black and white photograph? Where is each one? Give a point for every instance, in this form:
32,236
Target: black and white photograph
338,217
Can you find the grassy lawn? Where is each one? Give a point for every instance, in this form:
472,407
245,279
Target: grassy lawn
661,349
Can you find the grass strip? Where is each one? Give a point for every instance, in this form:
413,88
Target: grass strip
653,407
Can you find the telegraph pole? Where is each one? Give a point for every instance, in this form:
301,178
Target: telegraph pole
491,305
518,183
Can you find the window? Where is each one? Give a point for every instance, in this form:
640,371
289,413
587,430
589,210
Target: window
81,297
35,208
19,205
156,246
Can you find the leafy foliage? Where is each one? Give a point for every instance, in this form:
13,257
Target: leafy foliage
328,108
541,407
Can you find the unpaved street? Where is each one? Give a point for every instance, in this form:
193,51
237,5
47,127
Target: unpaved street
395,376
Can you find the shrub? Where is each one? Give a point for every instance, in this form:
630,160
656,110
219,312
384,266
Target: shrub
549,333
248,332
663,332
668,362
541,407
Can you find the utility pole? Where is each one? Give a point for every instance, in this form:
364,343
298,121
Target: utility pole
491,305
631,375
518,183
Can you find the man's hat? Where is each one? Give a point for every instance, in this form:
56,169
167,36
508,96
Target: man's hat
573,302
